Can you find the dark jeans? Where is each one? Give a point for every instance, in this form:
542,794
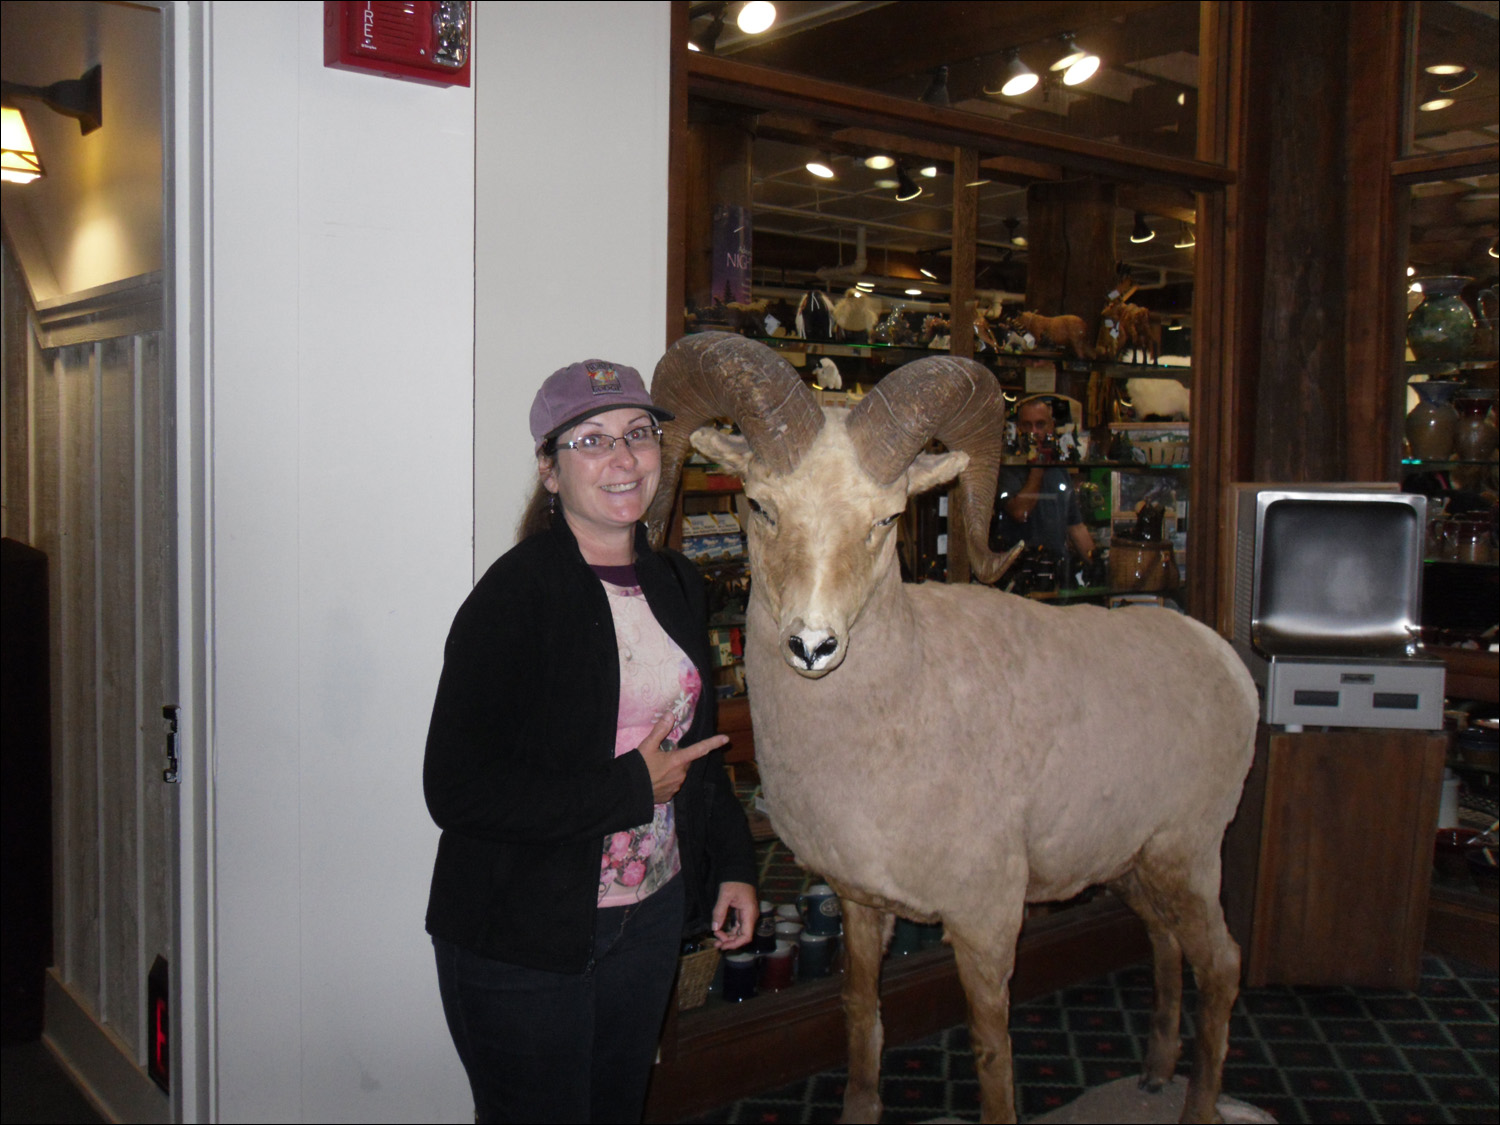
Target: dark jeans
567,1047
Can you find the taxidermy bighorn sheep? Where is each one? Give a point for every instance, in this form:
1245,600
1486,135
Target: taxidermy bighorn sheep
952,752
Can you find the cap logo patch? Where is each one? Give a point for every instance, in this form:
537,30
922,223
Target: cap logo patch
602,379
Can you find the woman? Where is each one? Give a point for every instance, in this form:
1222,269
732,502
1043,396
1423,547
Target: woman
585,827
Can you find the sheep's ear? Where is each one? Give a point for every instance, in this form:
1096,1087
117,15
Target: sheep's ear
932,469
730,450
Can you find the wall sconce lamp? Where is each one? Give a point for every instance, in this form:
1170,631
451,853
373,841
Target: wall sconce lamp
79,98
19,164
1141,232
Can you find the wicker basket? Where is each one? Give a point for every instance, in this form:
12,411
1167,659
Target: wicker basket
695,973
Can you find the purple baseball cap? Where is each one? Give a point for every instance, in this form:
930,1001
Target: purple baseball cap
584,389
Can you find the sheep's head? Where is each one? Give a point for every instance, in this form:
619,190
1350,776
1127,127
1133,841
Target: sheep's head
825,493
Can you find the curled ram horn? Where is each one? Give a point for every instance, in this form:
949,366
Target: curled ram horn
958,402
721,375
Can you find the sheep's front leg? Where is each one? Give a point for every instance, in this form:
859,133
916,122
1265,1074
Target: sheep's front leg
867,932
985,963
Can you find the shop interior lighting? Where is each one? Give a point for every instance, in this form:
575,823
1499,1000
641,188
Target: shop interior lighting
19,163
1016,78
821,166
756,16
1077,64
937,88
913,292
1433,104
1012,225
907,189
1445,68
1411,271
886,184
1142,231
930,171
1495,248
1457,81
707,39
880,162
1186,239
864,286
1072,53
925,272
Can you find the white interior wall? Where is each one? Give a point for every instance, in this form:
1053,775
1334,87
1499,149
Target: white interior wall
340,415
571,219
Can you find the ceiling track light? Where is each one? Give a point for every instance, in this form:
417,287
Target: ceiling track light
1012,225
1186,239
1078,64
907,189
756,17
821,166
1142,231
880,162
1016,78
707,39
1457,81
937,88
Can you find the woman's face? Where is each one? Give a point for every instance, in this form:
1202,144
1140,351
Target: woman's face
602,495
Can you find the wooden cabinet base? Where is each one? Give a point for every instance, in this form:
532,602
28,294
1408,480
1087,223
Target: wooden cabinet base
721,1053
1328,865
1460,927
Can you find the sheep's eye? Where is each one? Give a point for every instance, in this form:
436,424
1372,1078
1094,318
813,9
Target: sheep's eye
888,520
760,511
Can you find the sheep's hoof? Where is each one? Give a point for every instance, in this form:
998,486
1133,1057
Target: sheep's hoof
1151,1085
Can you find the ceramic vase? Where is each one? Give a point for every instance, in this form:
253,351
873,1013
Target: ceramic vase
1441,328
1476,435
1432,425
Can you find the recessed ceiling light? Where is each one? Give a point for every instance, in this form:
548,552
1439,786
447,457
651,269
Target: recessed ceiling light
756,17
930,171
1445,68
886,184
1411,271
820,167
927,272
913,292
1435,104
1019,240
880,161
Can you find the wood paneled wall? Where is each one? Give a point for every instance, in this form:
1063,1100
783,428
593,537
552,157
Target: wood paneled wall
86,479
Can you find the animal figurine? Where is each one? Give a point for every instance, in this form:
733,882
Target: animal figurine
857,312
1059,331
1135,330
951,752
1159,399
815,319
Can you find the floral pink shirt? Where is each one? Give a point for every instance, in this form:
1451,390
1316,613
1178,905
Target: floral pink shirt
656,677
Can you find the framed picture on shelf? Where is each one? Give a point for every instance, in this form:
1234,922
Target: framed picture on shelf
1129,492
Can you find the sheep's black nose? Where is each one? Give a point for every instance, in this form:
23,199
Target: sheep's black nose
799,650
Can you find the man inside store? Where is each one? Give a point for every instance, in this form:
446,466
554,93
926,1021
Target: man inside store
1036,502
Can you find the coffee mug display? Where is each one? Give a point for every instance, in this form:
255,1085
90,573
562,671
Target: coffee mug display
820,910
815,954
776,968
740,971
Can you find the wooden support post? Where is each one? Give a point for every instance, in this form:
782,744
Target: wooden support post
1072,252
965,226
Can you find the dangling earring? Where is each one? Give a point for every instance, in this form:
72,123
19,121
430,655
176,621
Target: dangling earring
552,504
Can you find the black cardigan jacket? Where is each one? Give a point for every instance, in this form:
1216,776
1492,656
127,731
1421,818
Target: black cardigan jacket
520,772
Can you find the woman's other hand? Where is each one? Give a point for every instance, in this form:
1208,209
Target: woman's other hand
733,932
668,768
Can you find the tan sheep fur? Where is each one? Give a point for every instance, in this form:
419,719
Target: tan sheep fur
955,752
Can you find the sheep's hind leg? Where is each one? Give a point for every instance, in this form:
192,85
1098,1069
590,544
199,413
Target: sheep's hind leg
984,967
1191,902
867,932
1166,1009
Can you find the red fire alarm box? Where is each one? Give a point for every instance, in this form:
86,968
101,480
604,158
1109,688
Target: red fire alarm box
419,40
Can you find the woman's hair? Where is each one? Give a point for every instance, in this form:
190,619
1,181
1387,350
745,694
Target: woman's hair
543,505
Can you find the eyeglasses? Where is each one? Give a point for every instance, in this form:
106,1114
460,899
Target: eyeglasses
602,445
